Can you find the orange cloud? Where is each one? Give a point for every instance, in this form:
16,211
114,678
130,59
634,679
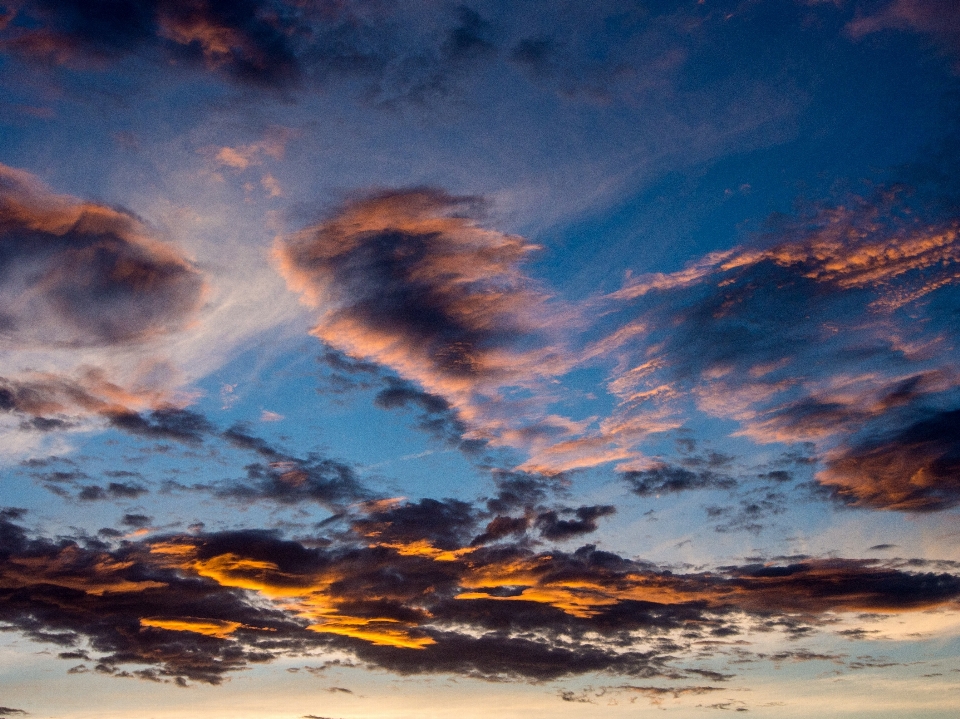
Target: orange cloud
306,596
219,628
74,569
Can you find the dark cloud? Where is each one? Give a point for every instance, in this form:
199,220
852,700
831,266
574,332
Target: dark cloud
519,490
657,694
915,468
402,394
198,606
181,425
667,479
60,592
500,527
288,479
41,424
341,374
407,269
282,477
8,712
752,514
435,416
291,481
392,49
251,41
113,490
136,520
409,280
446,524
551,525
470,37
75,274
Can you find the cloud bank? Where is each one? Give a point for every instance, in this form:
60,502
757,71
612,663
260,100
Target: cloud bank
401,590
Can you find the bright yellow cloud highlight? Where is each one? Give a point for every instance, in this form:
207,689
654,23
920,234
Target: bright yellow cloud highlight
208,627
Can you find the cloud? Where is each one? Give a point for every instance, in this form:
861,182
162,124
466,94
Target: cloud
667,479
435,415
85,290
88,391
553,527
408,280
249,41
866,353
296,480
656,695
61,592
114,490
940,19
403,590
915,468
287,479
180,425
78,274
278,476
398,52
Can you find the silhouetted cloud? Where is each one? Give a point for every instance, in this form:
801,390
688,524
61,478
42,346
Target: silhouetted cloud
404,591
250,41
553,527
60,592
180,425
113,490
666,479
264,44
287,479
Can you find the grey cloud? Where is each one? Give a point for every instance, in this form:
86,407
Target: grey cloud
75,274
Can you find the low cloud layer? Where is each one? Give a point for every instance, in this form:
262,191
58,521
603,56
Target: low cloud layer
402,590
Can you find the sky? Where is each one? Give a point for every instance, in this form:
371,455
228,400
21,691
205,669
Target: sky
369,359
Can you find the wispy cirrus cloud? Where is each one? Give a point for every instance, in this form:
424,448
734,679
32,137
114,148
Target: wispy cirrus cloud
939,19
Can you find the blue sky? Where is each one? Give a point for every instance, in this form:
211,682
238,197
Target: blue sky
374,359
